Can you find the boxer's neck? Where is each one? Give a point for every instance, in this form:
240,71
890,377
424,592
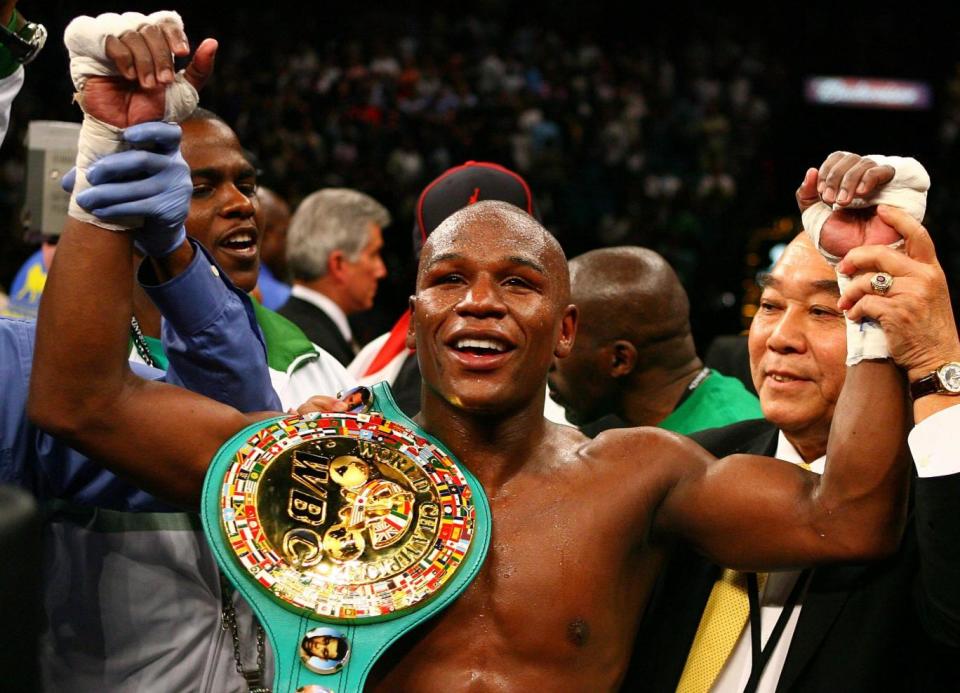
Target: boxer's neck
492,446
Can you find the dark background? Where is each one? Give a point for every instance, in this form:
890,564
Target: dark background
295,81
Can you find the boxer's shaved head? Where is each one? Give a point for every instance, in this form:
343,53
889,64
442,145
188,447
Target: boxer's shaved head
493,219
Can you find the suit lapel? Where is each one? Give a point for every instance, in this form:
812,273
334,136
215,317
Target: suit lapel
829,590
334,343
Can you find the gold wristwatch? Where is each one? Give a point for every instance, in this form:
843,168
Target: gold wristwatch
943,381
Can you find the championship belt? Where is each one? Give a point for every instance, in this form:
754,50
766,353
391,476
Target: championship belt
343,531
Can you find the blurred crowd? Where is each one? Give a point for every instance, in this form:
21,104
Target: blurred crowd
670,140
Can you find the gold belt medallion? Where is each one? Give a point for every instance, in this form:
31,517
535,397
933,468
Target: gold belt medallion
346,516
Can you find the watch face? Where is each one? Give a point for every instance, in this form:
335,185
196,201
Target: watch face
949,375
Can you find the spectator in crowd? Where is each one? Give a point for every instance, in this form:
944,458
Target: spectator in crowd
273,220
333,251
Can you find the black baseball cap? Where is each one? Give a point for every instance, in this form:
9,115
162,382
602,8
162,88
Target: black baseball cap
463,185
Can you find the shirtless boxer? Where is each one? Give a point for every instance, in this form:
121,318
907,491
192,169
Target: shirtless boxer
580,527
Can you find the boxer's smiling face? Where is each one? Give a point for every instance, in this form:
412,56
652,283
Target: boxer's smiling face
491,309
222,209
798,343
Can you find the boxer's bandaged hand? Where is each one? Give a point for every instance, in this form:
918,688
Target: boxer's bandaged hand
907,191
97,140
86,39
865,339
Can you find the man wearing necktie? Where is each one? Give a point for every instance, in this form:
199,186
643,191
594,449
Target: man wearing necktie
891,625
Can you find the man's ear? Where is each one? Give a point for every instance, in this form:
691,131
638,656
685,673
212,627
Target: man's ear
335,264
623,358
568,332
411,330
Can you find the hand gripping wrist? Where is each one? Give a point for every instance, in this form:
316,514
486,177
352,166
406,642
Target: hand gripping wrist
908,191
153,183
85,38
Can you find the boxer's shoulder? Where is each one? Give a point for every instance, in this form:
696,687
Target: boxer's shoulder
644,453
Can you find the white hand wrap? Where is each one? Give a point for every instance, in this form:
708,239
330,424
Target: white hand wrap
86,40
907,191
865,339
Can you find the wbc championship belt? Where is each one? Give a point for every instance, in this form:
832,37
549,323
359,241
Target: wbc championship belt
343,531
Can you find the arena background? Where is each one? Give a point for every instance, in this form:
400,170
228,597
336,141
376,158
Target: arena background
678,127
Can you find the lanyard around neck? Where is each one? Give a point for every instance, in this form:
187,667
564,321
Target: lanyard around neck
761,654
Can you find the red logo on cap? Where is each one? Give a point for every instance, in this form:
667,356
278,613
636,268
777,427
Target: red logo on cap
474,197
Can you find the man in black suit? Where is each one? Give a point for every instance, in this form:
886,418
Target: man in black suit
333,251
893,625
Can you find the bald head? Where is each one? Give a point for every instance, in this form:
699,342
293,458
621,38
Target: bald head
633,338
491,223
629,293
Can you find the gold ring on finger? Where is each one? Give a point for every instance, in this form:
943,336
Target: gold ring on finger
881,283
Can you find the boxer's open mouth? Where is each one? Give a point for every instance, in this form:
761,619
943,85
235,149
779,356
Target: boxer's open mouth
481,347
480,351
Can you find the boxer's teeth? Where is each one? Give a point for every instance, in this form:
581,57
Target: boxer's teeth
480,344
782,378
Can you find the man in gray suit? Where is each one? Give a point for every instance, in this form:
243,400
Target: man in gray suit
333,251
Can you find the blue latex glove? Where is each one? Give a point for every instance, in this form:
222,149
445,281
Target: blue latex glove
150,180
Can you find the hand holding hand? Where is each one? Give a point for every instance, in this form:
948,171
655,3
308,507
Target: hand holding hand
843,179
915,311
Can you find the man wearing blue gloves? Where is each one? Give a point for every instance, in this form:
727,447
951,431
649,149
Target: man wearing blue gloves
132,595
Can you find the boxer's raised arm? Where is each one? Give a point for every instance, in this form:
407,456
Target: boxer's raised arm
159,436
82,390
757,513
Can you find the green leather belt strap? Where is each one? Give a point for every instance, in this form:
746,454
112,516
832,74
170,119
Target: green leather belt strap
343,532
